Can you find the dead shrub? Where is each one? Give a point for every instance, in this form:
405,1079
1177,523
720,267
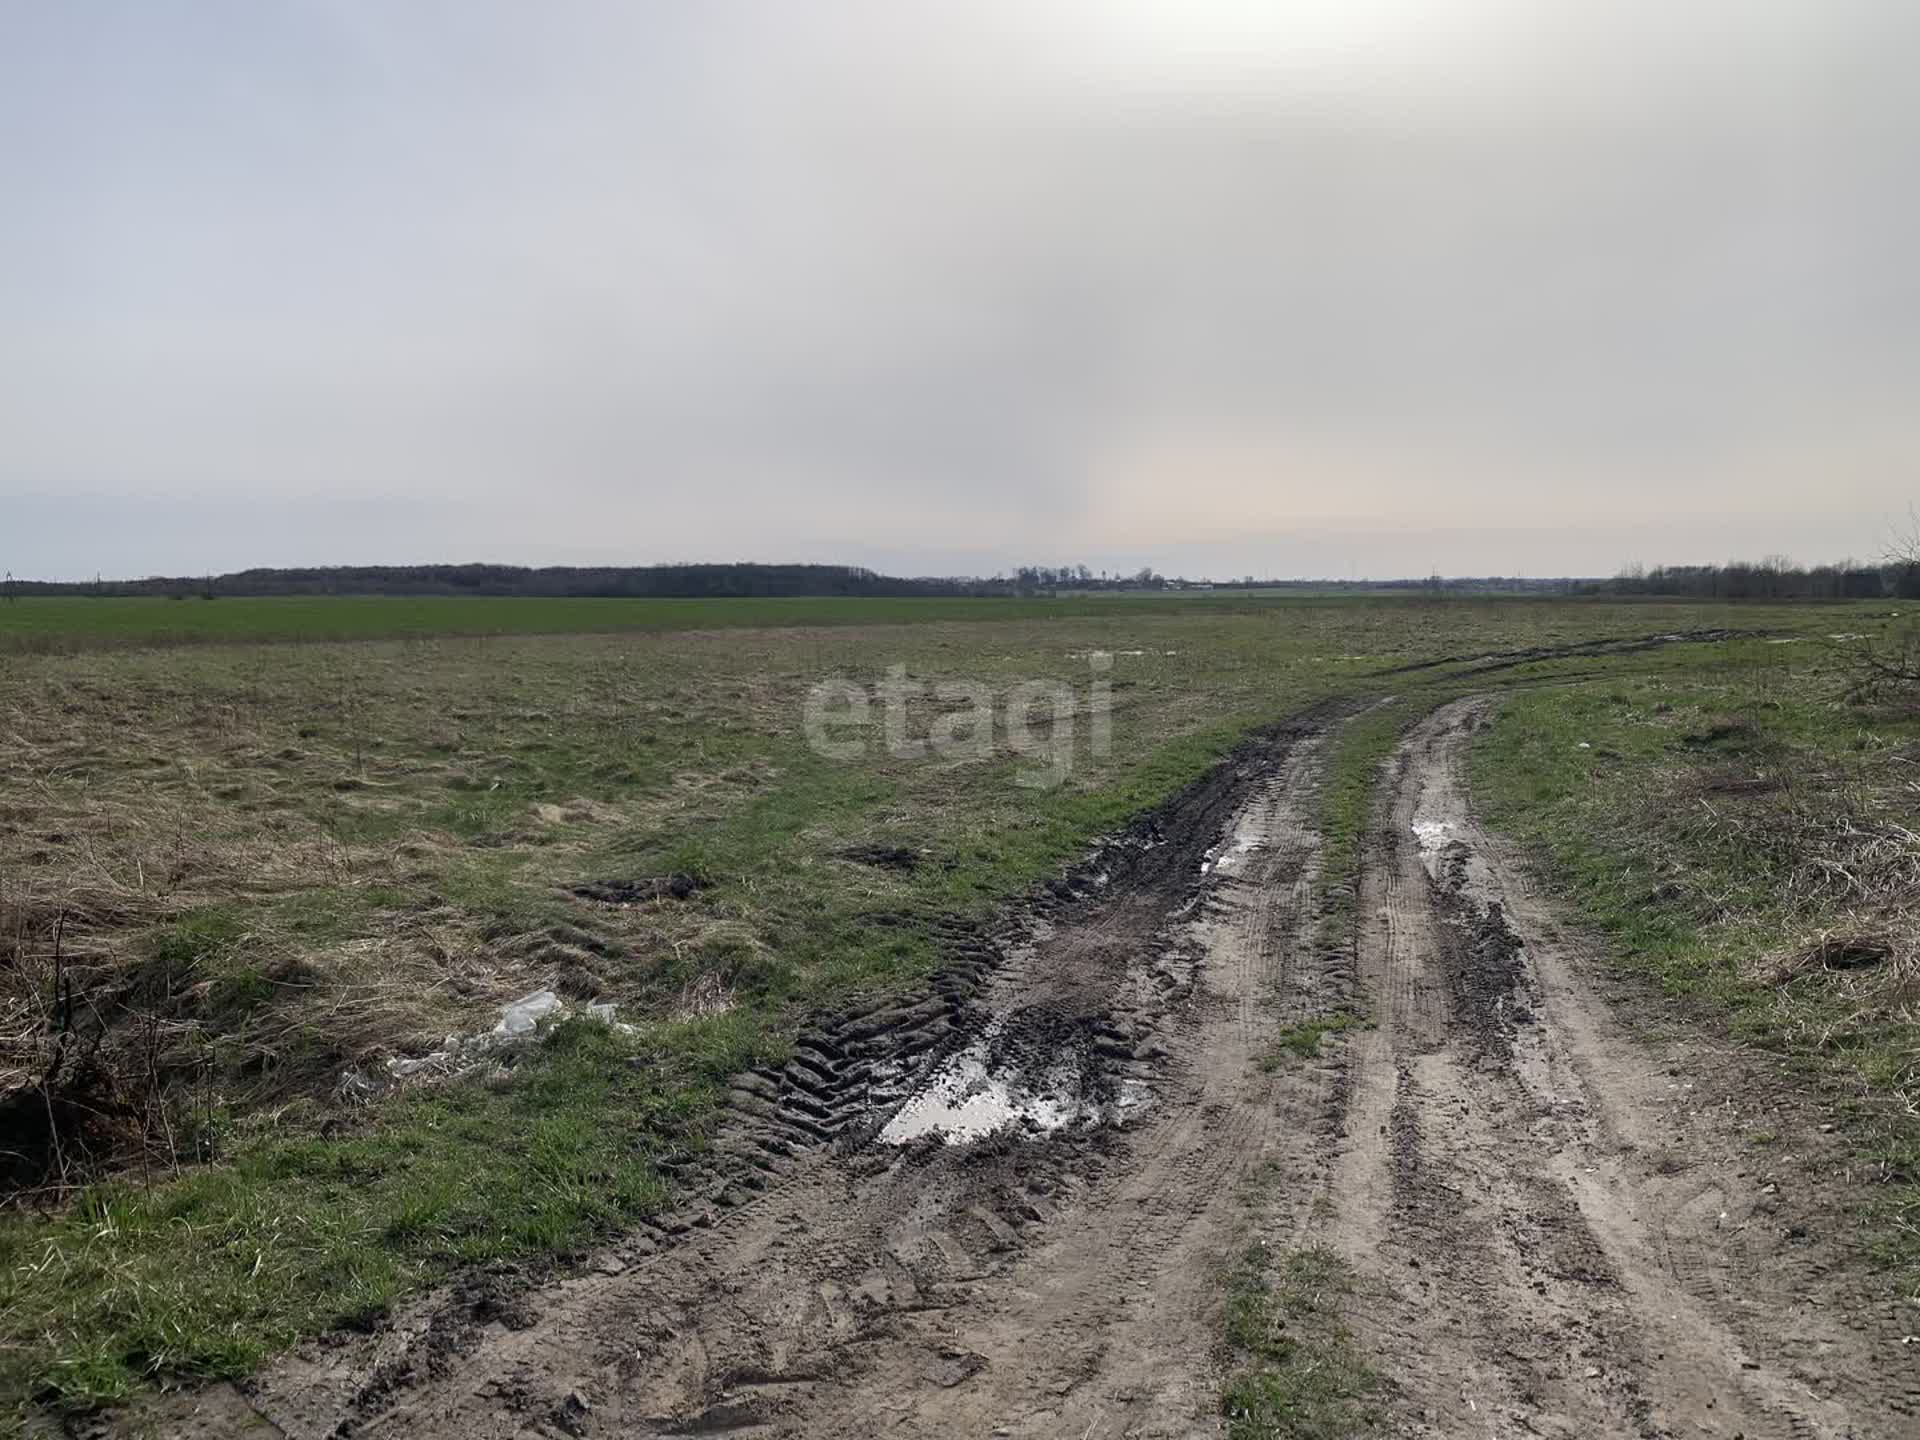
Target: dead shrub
1883,672
1866,863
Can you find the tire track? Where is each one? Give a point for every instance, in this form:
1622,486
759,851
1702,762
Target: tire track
1532,1271
824,1280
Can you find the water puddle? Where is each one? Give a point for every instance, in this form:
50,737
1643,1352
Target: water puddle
1433,837
1228,857
969,1099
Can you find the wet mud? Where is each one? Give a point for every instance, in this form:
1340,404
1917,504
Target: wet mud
1561,1229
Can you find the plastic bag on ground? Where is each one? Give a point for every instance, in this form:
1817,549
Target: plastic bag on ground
522,1015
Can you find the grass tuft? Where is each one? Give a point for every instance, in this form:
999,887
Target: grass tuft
1301,1041
1297,1373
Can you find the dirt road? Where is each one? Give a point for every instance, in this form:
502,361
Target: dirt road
1569,1233
1001,1210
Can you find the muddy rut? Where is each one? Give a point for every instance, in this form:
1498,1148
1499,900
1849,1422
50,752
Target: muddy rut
1000,1208
1566,1231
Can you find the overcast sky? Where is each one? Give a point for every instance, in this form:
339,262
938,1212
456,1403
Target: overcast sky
1331,287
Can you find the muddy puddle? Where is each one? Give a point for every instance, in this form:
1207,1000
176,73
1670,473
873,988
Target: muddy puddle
1246,839
972,1096
1434,837
1231,856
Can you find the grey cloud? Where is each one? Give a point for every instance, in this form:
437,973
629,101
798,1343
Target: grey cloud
1006,281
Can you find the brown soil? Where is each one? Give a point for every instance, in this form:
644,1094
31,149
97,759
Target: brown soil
1559,1229
1569,1231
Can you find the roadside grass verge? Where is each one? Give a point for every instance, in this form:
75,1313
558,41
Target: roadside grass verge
1296,1372
206,1274
1746,837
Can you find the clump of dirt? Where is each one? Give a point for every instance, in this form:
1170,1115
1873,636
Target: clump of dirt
497,1295
576,956
1739,780
70,1124
1843,951
1721,735
1485,966
92,1048
883,857
647,889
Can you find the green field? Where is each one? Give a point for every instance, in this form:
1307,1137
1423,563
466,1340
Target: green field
277,864
66,623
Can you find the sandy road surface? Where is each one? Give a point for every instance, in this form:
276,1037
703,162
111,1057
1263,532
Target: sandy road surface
1569,1232
1557,1228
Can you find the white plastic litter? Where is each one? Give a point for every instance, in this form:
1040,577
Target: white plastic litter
524,1014
460,1053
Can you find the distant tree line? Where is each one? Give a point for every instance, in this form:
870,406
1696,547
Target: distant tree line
1774,578
700,581
1029,579
605,581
